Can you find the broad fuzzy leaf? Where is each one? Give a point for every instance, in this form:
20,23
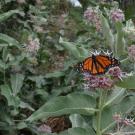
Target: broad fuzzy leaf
73,103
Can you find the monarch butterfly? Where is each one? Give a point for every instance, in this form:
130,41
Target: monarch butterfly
98,64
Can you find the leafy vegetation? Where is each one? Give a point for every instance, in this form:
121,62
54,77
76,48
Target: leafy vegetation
41,42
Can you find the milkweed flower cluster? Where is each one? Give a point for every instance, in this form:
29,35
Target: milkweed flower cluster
33,45
131,52
92,16
105,82
44,128
123,121
97,82
115,72
117,15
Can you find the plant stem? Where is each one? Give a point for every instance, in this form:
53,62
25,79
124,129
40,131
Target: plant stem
99,132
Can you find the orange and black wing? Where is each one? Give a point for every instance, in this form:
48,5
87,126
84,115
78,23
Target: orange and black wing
98,64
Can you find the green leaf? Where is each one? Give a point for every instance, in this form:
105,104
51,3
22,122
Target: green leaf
83,52
12,100
5,54
38,79
7,39
78,121
123,107
58,90
72,131
55,74
3,65
73,103
6,15
3,45
76,131
21,125
71,48
107,33
116,95
26,105
128,82
44,95
120,41
16,83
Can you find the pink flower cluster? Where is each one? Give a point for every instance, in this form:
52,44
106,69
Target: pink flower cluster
44,128
117,15
104,82
97,82
131,52
33,45
115,72
92,16
123,121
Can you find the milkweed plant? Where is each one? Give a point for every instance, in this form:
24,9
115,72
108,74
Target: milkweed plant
39,61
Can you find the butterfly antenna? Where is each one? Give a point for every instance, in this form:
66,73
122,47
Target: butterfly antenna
107,53
95,52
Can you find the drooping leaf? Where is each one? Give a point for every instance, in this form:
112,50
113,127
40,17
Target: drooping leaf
73,103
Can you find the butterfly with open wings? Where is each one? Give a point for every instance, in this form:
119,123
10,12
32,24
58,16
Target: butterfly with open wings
98,63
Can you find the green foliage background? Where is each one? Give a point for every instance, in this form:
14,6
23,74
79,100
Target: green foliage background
35,87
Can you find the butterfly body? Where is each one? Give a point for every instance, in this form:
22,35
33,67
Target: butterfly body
98,64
